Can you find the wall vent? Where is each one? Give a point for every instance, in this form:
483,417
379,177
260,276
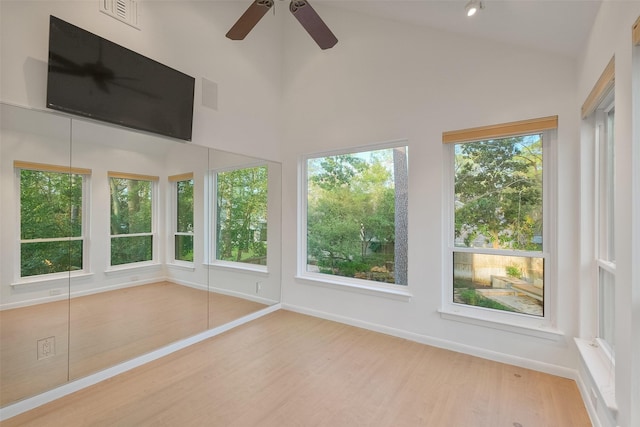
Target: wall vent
123,10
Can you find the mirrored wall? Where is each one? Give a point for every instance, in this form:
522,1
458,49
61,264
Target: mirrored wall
116,243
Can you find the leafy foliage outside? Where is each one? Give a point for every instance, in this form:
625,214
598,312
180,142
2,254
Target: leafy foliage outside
351,206
498,204
130,214
242,215
184,204
51,209
498,193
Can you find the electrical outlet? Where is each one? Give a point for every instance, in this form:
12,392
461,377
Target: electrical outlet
53,292
258,287
46,347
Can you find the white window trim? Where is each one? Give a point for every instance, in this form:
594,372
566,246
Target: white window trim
543,326
86,259
155,244
345,283
212,193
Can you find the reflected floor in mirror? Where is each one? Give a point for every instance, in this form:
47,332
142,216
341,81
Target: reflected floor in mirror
106,329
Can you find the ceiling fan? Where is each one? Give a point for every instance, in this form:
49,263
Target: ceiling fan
301,9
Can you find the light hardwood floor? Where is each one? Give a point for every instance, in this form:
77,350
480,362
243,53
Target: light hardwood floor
104,329
287,369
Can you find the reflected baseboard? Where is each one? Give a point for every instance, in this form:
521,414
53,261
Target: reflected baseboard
25,405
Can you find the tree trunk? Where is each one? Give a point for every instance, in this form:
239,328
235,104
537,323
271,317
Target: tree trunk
401,245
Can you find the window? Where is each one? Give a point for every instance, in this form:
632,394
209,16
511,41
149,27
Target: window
52,230
599,110
241,215
132,213
499,238
605,225
183,221
355,221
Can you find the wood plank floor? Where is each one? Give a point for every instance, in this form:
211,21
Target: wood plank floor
287,369
105,329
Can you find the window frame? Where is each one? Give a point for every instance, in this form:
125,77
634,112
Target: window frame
394,291
604,222
155,203
213,243
84,237
542,326
173,216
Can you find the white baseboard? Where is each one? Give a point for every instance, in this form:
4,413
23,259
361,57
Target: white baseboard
82,293
535,365
73,386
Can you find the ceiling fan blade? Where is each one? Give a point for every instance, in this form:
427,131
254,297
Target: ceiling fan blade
312,22
249,19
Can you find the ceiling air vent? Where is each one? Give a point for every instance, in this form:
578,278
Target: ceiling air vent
123,10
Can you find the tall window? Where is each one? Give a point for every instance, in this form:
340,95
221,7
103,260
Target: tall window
51,218
241,215
605,251
599,109
499,246
183,221
356,215
132,212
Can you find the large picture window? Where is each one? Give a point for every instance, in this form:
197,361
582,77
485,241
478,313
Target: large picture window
499,249
51,218
241,215
132,227
356,215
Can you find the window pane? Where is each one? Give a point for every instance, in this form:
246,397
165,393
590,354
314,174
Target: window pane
130,206
606,306
185,206
125,250
50,257
242,215
184,247
50,205
357,215
498,193
508,283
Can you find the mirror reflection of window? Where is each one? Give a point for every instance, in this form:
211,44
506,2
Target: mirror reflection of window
183,223
241,215
131,218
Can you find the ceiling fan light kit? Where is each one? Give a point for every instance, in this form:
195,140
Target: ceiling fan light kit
301,9
473,7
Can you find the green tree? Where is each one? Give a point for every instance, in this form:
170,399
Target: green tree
131,213
498,192
50,208
242,215
351,212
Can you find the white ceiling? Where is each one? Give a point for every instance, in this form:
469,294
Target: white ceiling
559,26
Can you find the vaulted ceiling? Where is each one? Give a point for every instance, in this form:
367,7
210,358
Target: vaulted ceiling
559,26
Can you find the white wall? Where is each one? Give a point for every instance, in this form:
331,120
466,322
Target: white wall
387,81
611,35
185,35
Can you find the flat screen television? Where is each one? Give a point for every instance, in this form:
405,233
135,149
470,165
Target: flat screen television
93,77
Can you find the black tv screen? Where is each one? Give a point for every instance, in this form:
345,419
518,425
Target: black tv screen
93,77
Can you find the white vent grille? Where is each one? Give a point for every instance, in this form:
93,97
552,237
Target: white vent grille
123,10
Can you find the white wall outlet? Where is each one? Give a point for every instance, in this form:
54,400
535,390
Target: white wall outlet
46,347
